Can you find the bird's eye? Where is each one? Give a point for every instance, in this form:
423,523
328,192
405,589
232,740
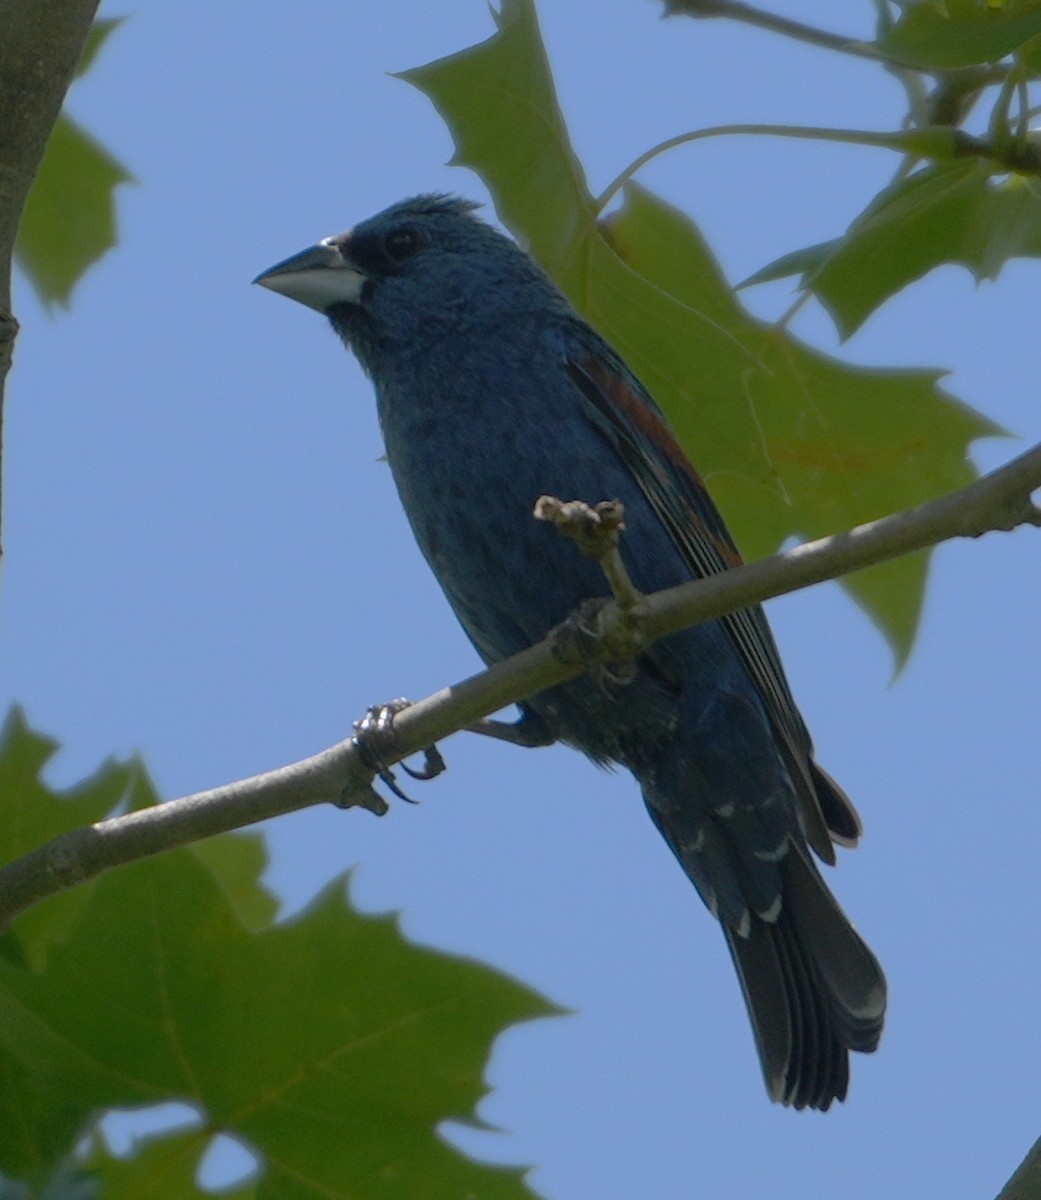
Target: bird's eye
402,243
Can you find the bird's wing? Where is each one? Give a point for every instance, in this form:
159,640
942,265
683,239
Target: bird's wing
631,421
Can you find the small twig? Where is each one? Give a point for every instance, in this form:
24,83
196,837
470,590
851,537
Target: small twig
596,632
596,530
955,93
1000,500
1023,104
761,19
812,35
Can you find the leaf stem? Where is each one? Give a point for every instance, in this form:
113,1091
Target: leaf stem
902,141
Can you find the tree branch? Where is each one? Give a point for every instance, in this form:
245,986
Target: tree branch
1025,1184
1001,500
40,46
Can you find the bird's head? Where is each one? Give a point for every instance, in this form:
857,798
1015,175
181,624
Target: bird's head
412,272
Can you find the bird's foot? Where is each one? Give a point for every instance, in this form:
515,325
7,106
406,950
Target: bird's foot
593,637
577,639
377,743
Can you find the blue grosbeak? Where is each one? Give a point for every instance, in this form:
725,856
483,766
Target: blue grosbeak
493,391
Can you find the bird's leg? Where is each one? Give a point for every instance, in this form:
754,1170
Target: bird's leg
529,730
376,739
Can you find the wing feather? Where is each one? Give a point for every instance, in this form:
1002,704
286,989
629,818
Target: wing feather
635,426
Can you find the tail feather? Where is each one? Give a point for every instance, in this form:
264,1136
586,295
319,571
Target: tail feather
814,991
849,974
841,818
805,1062
824,1072
778,1028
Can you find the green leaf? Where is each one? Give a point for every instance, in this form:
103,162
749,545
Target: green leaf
798,262
1029,56
98,36
69,219
961,33
941,214
31,814
329,1045
519,145
792,442
68,1181
160,1166
236,862
839,445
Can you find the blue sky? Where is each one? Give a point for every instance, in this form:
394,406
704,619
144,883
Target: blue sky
205,561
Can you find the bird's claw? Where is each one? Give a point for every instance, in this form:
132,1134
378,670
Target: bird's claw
433,765
376,740
374,734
